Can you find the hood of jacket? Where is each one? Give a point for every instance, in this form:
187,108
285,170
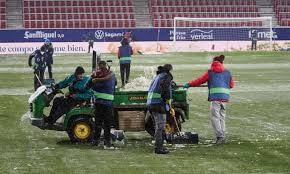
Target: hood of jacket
216,66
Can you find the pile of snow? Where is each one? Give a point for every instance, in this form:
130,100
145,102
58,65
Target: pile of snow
142,82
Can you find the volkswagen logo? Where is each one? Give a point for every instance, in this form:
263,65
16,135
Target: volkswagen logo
99,34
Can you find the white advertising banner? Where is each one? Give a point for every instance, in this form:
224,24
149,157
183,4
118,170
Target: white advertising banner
145,47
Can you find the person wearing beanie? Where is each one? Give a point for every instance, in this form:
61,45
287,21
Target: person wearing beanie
77,94
38,66
124,56
219,82
102,85
159,103
48,54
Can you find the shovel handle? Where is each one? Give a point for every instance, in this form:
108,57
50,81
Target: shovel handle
180,86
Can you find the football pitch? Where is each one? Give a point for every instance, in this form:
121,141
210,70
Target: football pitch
258,122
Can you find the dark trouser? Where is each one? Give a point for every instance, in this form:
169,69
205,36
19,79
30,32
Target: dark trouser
159,122
40,75
91,45
103,119
49,68
60,106
125,69
254,45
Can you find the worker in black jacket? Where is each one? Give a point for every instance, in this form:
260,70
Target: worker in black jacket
38,66
159,103
48,54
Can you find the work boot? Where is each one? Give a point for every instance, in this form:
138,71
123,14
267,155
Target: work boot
220,140
108,145
123,85
95,143
162,150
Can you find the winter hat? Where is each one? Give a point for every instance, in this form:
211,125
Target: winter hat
79,70
219,58
160,69
167,67
46,41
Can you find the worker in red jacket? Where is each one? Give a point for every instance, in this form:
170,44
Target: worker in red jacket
219,82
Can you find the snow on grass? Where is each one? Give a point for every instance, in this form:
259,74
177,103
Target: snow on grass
176,67
142,82
15,91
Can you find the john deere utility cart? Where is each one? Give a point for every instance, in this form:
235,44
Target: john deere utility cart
130,115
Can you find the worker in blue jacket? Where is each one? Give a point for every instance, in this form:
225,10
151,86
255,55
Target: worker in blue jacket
159,103
38,66
76,94
103,88
124,56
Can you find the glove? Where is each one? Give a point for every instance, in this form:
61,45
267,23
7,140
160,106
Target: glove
172,112
186,85
168,102
56,87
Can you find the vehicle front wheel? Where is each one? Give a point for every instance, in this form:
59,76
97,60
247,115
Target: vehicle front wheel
80,129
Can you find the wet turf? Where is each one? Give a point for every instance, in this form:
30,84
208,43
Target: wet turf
258,123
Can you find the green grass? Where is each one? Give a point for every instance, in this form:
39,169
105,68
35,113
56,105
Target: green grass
258,123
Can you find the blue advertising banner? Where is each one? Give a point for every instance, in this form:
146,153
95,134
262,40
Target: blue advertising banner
140,34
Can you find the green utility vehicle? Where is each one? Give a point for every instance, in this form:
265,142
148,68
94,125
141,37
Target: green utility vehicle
130,113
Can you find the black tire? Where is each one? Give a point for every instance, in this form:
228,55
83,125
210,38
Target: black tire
149,124
74,129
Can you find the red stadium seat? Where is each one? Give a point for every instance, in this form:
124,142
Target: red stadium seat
38,17
44,24
70,24
26,24
68,3
64,24
51,24
106,9
126,24
31,3
88,16
101,24
118,9
120,23
95,24
93,10
112,9
32,24
77,24
63,10
58,24
25,4
26,17
108,24
114,24
89,24
52,14
83,24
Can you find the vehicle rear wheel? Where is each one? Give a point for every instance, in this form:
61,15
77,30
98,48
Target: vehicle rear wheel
80,129
149,123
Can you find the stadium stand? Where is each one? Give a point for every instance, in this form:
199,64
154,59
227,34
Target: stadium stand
2,13
121,13
78,14
166,10
282,10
